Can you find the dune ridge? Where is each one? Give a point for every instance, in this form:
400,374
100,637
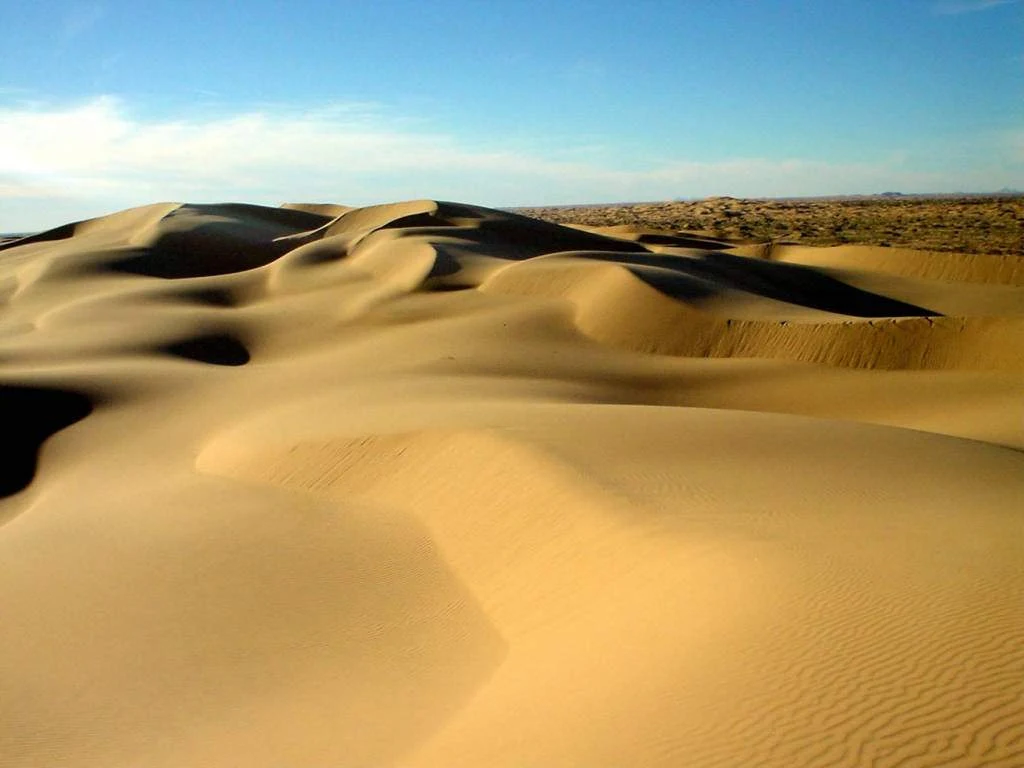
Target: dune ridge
431,484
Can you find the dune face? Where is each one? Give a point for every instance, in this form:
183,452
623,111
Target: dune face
429,484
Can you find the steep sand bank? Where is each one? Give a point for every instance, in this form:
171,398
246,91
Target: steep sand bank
429,484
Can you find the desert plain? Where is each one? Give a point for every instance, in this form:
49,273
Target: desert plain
709,483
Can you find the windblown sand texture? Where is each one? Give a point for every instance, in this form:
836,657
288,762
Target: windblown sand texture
428,484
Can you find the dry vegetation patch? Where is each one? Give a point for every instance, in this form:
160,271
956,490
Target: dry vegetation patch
975,224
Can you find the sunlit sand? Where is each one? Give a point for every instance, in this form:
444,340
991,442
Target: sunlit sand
429,484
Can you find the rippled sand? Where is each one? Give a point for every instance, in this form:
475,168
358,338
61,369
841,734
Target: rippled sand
428,484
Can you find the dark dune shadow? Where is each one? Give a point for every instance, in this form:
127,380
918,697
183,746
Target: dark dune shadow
445,263
678,285
418,220
206,240
679,240
289,220
514,241
30,415
212,297
206,251
62,232
536,237
489,231
701,277
211,348
682,241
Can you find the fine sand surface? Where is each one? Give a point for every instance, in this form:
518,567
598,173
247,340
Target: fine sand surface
428,484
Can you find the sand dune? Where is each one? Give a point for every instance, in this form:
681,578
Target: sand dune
430,484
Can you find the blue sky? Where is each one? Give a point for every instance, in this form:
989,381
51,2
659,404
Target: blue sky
104,105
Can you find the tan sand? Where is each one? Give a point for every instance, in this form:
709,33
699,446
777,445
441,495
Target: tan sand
428,484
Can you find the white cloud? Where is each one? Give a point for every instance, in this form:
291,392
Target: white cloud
956,7
97,157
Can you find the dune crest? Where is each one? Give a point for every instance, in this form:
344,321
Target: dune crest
431,484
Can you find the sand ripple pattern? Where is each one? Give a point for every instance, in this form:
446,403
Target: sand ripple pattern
431,484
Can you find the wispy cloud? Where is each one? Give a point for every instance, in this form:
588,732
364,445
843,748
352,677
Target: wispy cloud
95,157
956,7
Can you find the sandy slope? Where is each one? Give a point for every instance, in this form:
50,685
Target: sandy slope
405,485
